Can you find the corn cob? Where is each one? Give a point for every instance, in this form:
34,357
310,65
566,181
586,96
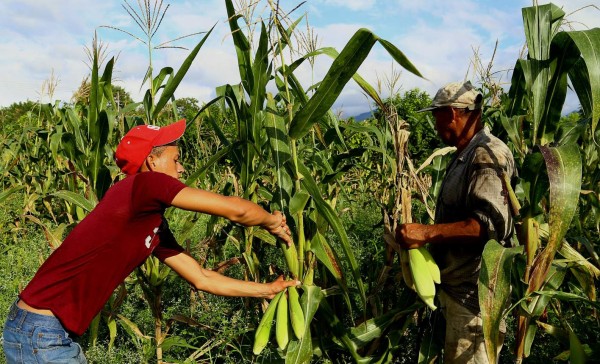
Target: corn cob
261,337
422,277
282,330
434,270
405,268
291,258
296,313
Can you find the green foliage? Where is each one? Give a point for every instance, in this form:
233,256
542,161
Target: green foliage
333,178
551,174
17,116
423,138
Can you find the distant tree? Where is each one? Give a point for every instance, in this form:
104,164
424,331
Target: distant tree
121,97
423,137
187,107
18,115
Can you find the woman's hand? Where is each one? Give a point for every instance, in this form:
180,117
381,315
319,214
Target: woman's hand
278,227
279,285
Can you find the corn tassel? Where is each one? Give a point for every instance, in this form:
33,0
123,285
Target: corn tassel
261,336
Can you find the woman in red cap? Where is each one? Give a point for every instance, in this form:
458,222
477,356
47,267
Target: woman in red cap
126,227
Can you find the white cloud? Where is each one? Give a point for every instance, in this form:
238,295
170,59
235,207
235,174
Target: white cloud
38,36
352,4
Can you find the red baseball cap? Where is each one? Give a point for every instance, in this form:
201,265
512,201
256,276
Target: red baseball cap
137,144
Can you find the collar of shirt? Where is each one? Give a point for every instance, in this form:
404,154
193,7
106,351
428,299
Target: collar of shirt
485,131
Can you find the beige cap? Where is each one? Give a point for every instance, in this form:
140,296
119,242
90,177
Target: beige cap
458,95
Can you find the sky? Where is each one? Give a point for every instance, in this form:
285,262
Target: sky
40,39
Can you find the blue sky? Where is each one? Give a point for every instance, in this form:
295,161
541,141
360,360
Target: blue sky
41,37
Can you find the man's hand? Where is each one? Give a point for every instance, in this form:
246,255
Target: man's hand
412,236
279,285
279,228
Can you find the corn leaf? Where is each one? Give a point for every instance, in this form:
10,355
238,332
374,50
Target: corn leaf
76,198
558,333
580,79
158,81
577,354
564,172
132,328
588,43
494,291
9,191
517,92
570,253
174,82
358,337
211,162
106,80
399,57
94,87
333,219
586,281
373,328
344,67
265,236
277,133
539,23
301,351
53,237
242,48
72,120
111,323
564,55
568,297
326,255
298,202
538,304
97,171
367,88
176,341
261,72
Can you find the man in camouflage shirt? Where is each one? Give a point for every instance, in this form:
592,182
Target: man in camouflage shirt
472,208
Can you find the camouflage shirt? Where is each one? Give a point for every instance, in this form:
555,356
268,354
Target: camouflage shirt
473,188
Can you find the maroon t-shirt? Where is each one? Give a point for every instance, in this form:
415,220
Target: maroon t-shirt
104,248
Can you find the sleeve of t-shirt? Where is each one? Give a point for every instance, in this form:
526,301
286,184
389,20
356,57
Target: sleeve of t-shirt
168,245
488,198
154,191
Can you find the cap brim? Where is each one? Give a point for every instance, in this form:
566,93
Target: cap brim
170,133
428,108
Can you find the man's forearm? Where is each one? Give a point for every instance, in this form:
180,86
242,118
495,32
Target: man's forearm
411,236
466,231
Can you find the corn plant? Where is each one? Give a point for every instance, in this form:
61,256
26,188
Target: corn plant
148,17
551,177
394,183
273,161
